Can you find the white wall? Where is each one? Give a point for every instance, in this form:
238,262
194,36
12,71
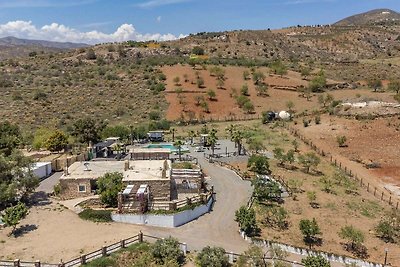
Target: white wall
172,220
42,169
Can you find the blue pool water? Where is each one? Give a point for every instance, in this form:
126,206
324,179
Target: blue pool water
171,147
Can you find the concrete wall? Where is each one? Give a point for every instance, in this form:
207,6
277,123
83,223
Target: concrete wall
172,220
42,169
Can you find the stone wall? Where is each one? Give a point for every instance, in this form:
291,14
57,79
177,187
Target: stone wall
149,156
70,188
160,189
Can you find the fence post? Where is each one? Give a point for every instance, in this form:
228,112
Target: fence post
104,251
382,196
361,183
390,199
83,259
37,263
375,191
140,237
184,248
123,243
368,187
17,263
230,257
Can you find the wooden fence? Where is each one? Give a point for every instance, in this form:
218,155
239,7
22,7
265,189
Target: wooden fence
60,163
378,193
107,250
232,118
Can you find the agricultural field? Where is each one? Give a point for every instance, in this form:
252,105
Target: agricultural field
326,194
189,101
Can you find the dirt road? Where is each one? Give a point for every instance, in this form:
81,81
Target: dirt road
52,232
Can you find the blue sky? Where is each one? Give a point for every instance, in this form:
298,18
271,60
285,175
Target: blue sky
95,21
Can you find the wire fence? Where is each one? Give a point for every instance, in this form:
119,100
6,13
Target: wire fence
378,193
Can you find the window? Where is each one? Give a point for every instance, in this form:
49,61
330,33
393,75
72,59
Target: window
82,188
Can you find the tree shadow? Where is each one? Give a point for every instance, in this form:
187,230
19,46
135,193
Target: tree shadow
39,199
358,250
313,241
24,229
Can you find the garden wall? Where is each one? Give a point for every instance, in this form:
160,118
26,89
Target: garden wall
168,220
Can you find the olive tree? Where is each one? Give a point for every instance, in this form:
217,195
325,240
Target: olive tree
109,185
310,230
212,257
13,215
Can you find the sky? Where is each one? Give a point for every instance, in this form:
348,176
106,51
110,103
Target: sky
97,21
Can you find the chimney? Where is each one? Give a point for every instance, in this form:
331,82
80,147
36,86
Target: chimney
66,168
166,165
126,165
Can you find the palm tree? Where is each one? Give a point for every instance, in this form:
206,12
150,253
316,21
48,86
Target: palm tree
212,139
179,145
230,129
173,134
237,136
191,134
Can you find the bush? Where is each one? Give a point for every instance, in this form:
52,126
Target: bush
154,115
246,218
317,119
242,100
40,95
90,54
96,215
315,261
212,257
341,140
197,50
109,185
258,164
167,250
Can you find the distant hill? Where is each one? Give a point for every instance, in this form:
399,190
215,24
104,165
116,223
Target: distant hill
13,41
11,47
376,16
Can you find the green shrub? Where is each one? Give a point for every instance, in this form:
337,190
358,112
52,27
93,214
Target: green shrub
212,256
167,251
109,185
96,215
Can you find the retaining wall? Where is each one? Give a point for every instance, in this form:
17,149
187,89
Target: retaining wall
168,220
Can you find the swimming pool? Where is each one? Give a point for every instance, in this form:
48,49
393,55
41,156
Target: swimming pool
171,147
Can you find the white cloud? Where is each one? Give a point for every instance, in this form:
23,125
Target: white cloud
157,3
61,33
158,19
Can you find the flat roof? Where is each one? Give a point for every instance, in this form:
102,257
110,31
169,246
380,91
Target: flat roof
145,170
40,164
139,170
94,170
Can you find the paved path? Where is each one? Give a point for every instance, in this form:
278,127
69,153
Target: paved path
217,228
47,185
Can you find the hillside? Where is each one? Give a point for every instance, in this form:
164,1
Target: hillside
55,90
11,47
376,16
122,84
324,43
